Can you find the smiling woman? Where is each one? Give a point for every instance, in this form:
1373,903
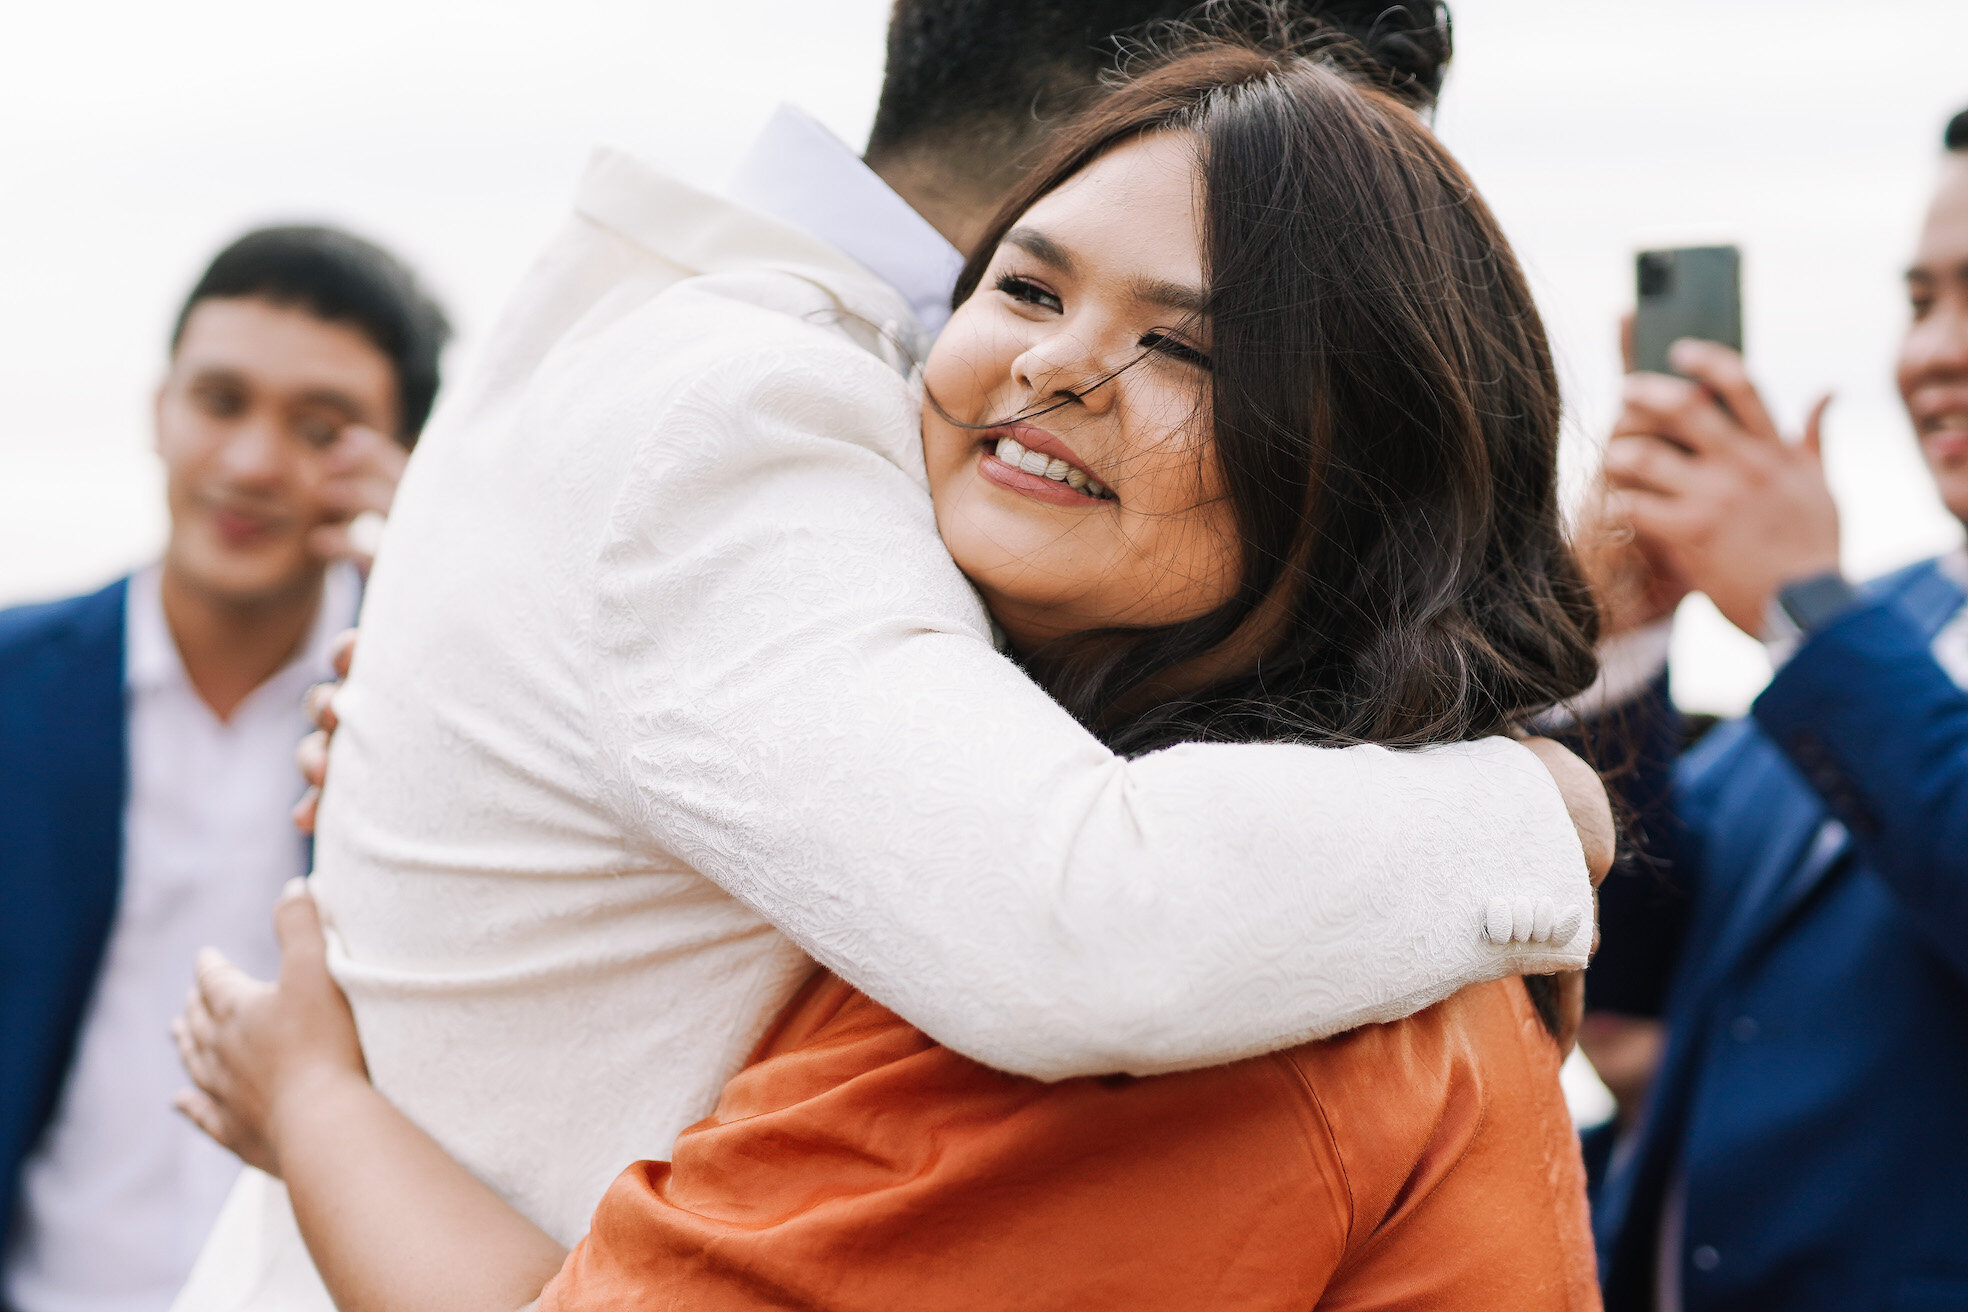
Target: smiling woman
1246,426
1067,433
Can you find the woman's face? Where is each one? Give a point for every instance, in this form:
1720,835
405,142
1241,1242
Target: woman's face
1108,509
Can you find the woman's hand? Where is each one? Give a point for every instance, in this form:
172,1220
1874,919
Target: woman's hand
392,1222
312,755
256,1051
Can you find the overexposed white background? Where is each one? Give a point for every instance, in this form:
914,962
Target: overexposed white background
137,138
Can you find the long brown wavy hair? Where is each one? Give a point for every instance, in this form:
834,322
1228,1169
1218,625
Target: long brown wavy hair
1385,417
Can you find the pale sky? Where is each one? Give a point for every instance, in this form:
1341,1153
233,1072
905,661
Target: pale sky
137,138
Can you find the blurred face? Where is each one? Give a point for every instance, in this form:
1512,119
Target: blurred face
256,395
1933,367
1107,508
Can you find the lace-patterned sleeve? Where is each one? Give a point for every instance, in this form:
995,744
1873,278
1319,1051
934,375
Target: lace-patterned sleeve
811,714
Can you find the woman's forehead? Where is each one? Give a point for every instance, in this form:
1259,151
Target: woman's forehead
1134,213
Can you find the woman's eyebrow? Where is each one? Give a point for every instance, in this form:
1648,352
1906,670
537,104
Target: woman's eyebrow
1041,247
1156,291
1169,295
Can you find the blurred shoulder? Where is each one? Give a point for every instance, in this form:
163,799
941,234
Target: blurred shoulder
94,618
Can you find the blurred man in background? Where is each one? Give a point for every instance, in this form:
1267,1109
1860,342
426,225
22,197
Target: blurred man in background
1801,1146
147,735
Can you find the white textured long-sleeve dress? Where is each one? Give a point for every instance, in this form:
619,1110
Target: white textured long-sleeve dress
667,687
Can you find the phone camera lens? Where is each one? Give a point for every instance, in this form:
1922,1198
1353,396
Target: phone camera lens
1656,272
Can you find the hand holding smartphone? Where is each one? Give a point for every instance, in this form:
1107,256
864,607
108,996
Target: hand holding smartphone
1688,291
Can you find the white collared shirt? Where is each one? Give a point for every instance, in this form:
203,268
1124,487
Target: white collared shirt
119,1194
805,176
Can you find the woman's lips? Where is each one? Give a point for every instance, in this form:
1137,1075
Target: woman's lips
1024,458
1035,486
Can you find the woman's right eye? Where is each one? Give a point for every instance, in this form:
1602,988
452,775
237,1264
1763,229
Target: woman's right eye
1029,292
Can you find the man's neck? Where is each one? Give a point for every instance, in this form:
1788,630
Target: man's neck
230,648
957,210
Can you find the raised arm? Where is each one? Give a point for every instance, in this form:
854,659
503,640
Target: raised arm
1878,728
811,714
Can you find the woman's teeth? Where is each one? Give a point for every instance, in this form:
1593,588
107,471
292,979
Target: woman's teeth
1012,452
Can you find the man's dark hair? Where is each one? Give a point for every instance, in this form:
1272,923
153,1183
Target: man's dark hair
341,278
1956,136
982,80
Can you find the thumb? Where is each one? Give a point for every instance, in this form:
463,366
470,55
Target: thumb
220,983
1626,342
297,924
1814,426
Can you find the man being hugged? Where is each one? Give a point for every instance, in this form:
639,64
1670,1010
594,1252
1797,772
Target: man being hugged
669,688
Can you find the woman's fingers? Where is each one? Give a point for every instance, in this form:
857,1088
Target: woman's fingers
306,810
221,985
200,1026
196,1037
198,1108
344,653
312,758
319,703
297,924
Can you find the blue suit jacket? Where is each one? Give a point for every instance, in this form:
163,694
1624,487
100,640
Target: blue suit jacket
63,775
1814,1093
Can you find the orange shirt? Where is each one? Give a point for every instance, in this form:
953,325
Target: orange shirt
857,1166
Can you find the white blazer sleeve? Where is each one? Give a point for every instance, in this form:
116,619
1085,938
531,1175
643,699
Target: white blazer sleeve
811,714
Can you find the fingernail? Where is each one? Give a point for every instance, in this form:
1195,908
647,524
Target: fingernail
295,887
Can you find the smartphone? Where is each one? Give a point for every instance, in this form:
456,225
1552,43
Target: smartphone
1691,291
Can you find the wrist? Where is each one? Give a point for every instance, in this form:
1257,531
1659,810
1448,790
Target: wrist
1806,603
1800,608
310,1103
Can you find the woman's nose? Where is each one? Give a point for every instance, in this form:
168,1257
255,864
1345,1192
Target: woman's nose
1065,365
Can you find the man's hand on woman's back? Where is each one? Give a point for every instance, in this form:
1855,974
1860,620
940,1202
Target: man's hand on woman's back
1592,813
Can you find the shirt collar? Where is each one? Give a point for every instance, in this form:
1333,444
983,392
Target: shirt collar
805,176
150,653
1955,566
